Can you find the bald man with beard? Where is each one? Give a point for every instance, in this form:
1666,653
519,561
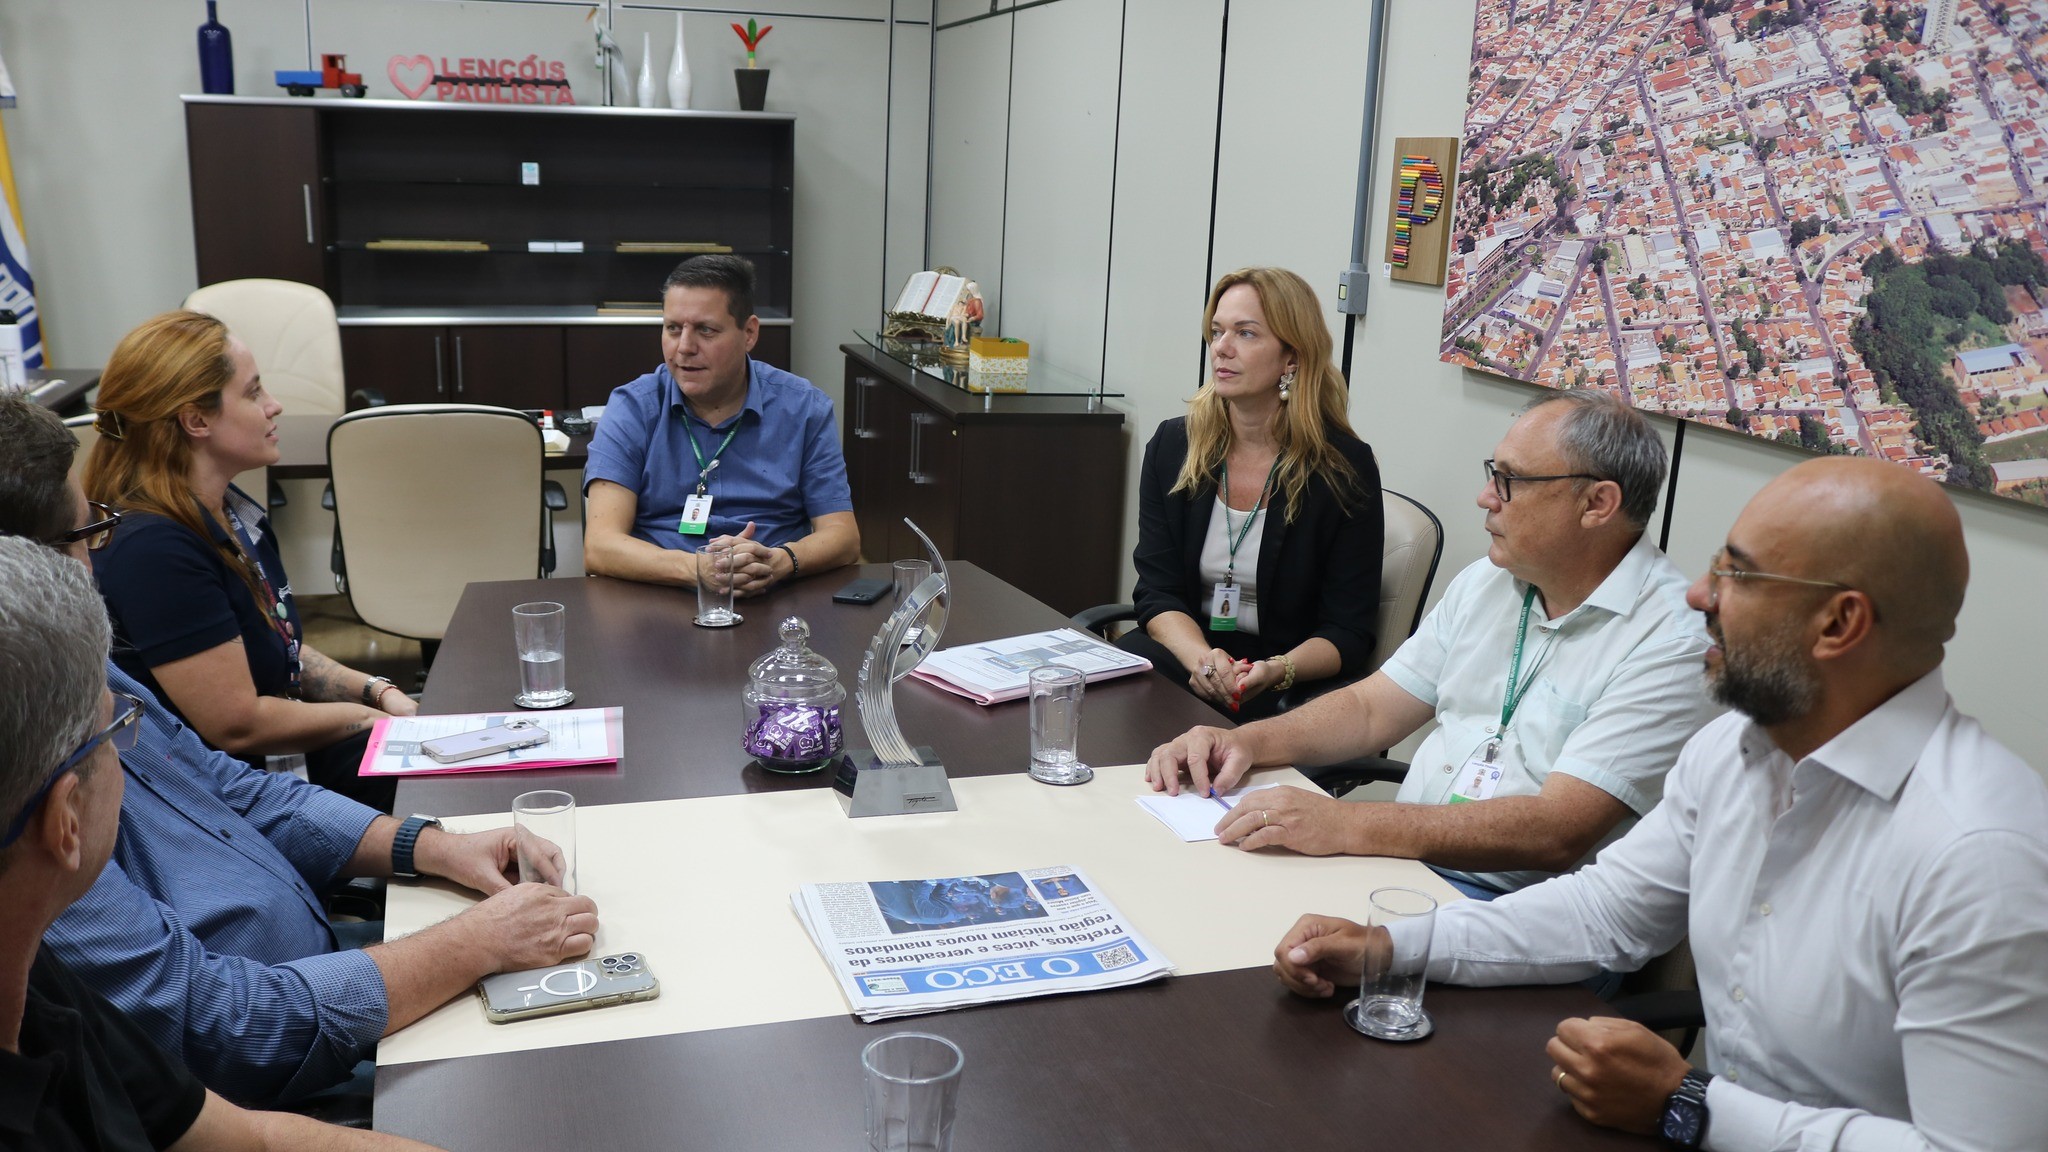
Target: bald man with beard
1863,872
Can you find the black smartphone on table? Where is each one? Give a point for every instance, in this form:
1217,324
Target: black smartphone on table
865,590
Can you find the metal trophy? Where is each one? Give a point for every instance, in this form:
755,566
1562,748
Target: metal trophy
893,777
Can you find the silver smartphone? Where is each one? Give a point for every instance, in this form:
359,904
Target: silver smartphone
617,979
500,737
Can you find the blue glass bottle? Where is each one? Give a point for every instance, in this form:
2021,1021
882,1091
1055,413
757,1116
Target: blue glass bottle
216,56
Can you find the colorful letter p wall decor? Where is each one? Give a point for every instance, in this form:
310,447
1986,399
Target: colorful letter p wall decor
1419,220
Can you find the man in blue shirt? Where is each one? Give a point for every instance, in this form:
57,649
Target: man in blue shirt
713,446
206,927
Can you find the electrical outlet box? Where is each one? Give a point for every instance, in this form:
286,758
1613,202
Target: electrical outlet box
1352,285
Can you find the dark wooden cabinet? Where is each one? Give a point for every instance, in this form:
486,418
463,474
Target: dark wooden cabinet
318,191
1029,487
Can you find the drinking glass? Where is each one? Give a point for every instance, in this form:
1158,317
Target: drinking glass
1398,930
540,632
909,574
913,1087
544,829
1056,726
715,562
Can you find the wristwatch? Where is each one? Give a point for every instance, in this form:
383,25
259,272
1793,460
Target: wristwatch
373,689
402,843
1685,1112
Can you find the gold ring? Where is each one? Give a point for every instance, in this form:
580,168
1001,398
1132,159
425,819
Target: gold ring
1559,1079
1265,818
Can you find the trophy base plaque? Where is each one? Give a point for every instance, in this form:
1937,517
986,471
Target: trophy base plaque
867,787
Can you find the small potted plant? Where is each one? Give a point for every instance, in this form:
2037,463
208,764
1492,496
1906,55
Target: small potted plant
752,80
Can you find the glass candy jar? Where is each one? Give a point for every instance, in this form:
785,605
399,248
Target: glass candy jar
792,705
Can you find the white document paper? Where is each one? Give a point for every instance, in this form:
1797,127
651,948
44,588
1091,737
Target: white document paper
1193,816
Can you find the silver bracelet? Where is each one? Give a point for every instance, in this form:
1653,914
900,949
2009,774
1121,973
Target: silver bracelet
372,693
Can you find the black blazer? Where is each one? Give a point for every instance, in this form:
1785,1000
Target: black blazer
1318,575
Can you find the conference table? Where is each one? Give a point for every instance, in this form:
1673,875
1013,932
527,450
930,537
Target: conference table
1222,1059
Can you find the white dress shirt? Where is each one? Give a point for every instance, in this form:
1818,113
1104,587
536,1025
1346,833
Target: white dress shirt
1613,688
1873,961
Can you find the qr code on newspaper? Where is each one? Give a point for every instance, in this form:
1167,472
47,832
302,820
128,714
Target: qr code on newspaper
1116,957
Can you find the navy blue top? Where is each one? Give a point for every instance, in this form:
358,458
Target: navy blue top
173,595
783,469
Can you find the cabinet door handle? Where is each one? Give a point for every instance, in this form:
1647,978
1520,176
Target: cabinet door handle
307,189
918,475
440,373
458,365
860,408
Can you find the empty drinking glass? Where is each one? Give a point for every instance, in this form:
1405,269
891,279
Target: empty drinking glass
715,561
1056,726
913,1088
909,574
1399,925
544,832
540,632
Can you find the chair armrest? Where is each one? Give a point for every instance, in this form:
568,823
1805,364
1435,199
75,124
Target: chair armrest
552,495
366,398
275,498
1102,615
327,496
1677,1009
1343,776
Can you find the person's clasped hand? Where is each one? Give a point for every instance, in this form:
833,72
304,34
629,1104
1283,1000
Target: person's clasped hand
1617,1073
753,563
486,862
1215,678
1323,953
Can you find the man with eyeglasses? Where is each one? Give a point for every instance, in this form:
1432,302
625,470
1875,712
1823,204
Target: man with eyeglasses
1561,672
74,1072
207,927
1863,872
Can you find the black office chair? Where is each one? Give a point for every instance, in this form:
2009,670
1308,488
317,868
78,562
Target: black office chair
1414,547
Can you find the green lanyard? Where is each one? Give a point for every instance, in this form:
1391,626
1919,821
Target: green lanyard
1513,699
704,467
1230,571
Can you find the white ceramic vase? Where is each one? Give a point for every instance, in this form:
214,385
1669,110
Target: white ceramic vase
646,92
679,72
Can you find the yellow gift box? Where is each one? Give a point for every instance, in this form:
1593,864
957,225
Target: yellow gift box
998,364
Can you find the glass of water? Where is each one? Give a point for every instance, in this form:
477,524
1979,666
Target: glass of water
1399,925
913,1089
544,831
909,574
715,561
1056,726
540,632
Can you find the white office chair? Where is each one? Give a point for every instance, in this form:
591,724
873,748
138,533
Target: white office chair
292,331
429,497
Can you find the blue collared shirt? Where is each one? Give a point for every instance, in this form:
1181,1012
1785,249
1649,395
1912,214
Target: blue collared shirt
206,927
783,469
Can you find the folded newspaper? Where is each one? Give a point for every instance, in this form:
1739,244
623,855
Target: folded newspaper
902,947
1000,670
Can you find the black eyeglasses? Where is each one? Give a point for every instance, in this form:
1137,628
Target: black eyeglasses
1502,481
96,533
123,732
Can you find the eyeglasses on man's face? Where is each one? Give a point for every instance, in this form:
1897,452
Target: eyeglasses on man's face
122,732
96,532
1718,569
1504,481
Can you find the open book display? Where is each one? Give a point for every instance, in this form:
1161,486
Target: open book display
921,308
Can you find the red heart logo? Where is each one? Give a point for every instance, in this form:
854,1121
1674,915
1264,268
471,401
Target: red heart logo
423,64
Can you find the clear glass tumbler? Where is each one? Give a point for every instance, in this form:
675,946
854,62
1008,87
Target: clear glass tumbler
540,632
913,1087
1399,925
544,832
715,561
1056,726
909,574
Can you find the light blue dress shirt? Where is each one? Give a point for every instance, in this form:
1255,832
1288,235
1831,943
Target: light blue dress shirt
783,469
206,928
1615,688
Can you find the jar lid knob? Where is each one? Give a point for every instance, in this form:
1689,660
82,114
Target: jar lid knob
795,632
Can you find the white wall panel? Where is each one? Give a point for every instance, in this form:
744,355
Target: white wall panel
970,138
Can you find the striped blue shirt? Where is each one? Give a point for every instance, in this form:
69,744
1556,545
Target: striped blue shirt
206,927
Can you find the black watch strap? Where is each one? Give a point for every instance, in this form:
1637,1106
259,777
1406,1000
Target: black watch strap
1685,1112
406,839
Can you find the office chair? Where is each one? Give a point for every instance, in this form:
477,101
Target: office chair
429,497
1414,543
255,482
293,333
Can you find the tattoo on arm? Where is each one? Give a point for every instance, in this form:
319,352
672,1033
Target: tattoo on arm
325,681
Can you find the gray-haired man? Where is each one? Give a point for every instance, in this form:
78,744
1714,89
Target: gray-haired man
74,1073
1561,671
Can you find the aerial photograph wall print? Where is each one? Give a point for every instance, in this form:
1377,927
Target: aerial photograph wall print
1821,222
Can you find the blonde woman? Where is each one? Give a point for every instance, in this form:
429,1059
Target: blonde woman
1259,525
203,611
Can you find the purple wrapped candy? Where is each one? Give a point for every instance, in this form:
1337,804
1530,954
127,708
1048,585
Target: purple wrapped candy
795,734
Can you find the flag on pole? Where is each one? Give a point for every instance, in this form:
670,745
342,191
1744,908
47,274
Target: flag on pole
17,287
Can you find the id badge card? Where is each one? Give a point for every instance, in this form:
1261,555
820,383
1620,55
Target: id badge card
696,515
1480,775
1223,604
